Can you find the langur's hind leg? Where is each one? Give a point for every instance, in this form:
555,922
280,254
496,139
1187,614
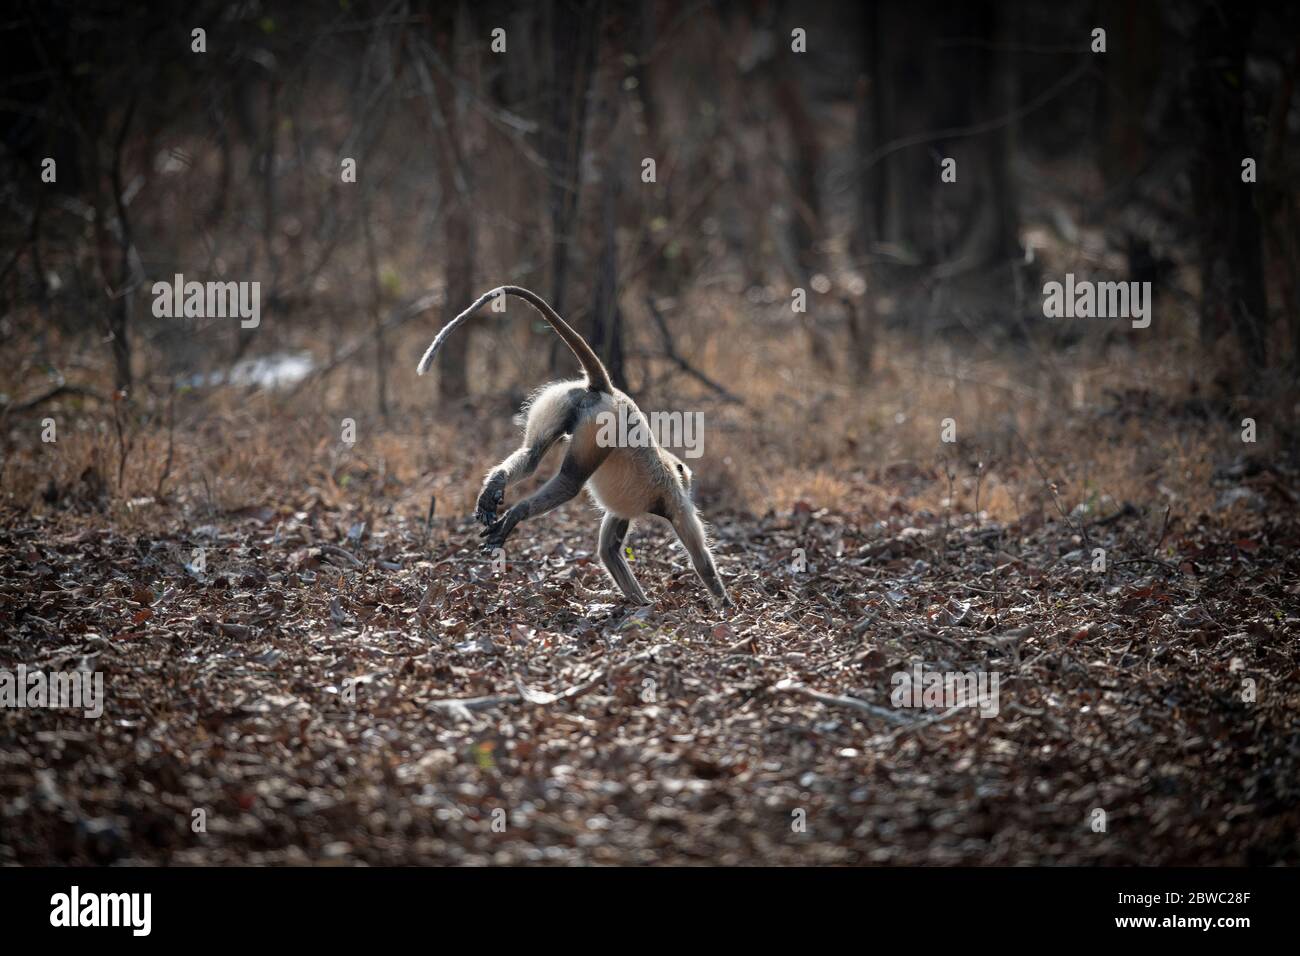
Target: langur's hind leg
612,532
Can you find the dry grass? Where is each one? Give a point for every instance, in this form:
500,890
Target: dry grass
1103,429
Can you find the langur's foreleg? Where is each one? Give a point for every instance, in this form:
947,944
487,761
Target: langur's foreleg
690,531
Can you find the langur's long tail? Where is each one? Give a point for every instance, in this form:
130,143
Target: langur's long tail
597,377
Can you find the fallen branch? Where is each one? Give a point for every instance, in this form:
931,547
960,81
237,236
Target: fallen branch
834,700
1128,511
923,722
341,553
463,707
1172,569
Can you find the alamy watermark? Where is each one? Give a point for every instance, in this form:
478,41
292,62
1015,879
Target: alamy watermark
23,688
208,300
75,908
934,690
631,429
1085,299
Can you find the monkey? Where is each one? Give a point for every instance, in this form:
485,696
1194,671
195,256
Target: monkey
627,482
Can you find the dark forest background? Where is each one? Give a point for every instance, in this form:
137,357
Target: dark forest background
775,169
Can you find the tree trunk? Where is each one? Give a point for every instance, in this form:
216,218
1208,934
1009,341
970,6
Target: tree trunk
574,30
459,234
606,316
1230,250
917,90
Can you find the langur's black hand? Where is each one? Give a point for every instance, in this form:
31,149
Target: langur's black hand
488,503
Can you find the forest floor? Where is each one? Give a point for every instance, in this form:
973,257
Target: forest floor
315,671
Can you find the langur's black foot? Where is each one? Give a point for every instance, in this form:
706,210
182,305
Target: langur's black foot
495,534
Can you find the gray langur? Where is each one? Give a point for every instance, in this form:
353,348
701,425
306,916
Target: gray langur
626,482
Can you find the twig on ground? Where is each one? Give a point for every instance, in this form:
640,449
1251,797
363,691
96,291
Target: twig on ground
923,722
1172,569
341,553
835,700
462,707
428,520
